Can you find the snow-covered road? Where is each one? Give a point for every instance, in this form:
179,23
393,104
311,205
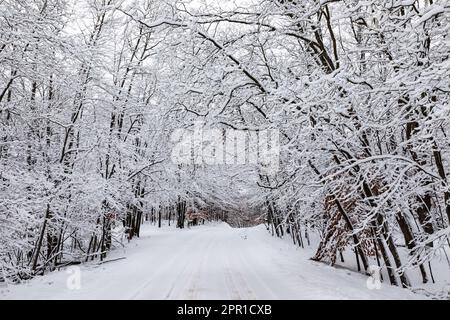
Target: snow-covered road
206,262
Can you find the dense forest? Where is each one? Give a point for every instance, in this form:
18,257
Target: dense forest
92,91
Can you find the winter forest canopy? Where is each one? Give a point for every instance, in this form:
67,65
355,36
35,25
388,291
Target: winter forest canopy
92,92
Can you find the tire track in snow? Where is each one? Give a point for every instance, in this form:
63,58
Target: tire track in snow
239,283
192,272
164,266
192,288
254,273
234,293
186,274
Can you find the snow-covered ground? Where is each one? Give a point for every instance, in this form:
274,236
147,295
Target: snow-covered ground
207,262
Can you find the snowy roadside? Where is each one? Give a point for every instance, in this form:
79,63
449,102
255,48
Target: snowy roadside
213,261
